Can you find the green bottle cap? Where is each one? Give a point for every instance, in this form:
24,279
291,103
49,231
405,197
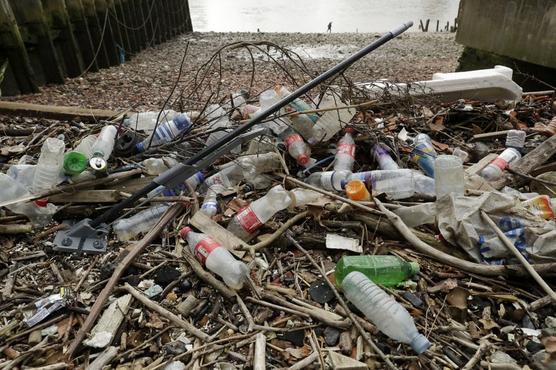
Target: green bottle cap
74,163
413,267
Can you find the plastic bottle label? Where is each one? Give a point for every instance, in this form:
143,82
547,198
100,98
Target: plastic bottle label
291,139
506,157
204,248
348,149
540,206
248,220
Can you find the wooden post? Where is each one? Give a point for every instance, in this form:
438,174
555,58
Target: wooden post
181,19
130,22
124,28
148,7
82,33
14,48
116,27
58,19
146,34
140,27
96,27
437,24
175,12
160,35
32,23
189,25
108,40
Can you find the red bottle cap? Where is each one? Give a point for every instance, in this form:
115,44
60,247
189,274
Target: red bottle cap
41,202
348,130
302,159
184,231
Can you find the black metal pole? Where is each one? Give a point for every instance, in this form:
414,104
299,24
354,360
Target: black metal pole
183,171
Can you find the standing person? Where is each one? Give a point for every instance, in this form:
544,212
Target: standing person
329,29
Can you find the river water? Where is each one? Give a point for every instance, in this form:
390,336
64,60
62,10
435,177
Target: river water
314,15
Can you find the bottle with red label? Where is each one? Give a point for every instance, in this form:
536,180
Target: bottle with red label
255,215
297,147
345,152
215,257
496,168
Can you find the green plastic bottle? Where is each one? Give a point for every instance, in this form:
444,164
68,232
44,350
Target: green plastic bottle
383,270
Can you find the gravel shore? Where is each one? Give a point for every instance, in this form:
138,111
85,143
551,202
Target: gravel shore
145,82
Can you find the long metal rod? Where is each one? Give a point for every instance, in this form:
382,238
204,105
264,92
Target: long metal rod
187,169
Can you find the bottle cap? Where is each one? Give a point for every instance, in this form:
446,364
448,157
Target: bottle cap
420,343
98,163
302,159
74,163
43,202
348,130
414,268
184,231
140,147
356,190
200,177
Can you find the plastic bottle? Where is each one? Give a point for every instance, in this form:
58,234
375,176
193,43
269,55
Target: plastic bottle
496,168
146,121
449,176
302,123
462,154
216,258
255,215
164,191
515,139
39,213
253,165
329,180
356,190
345,153
423,154
381,309
383,270
156,166
541,205
165,132
397,184
218,119
266,100
128,228
102,148
301,197
297,147
383,158
77,160
49,166
210,203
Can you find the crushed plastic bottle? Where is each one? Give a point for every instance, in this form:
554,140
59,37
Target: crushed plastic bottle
103,147
163,191
329,180
165,132
356,190
216,258
383,158
383,270
277,125
77,160
302,123
49,166
301,197
495,169
462,154
156,166
218,120
296,147
345,153
397,184
249,219
146,121
515,139
449,175
423,154
252,166
127,228
39,213
381,309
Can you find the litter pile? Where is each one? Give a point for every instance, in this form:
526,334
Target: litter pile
361,226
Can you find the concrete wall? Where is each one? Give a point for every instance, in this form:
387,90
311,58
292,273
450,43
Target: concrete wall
520,29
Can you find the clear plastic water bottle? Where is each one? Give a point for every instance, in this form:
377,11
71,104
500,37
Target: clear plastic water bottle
462,154
301,197
128,228
218,120
515,139
163,191
302,123
249,219
329,180
39,214
49,166
165,132
77,160
216,258
296,147
277,125
253,165
210,203
449,177
383,270
423,154
381,309
345,152
156,166
103,147
496,168
146,121
397,184
383,158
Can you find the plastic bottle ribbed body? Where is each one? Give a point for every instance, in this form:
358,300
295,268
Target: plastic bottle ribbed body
383,158
515,139
165,132
449,176
345,153
127,228
49,166
381,309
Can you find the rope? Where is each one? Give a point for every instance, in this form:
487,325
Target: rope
115,16
99,45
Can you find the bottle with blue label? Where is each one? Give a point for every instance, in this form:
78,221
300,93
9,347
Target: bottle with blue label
165,132
164,191
423,154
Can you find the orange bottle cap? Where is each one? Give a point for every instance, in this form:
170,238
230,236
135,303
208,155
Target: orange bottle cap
356,190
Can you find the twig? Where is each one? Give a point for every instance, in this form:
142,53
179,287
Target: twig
300,365
103,359
259,359
511,247
477,356
246,313
264,243
277,307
